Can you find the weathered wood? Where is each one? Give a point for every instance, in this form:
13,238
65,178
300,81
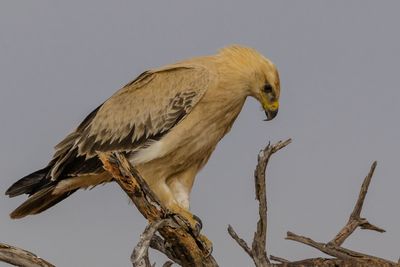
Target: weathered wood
327,262
20,257
355,220
140,254
258,250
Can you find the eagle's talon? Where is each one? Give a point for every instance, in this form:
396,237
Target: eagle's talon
185,218
190,222
194,225
199,222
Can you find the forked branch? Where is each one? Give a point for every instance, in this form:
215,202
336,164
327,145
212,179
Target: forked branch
333,247
258,251
355,220
342,256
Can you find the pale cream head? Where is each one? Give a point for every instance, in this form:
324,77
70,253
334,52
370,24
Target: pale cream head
258,75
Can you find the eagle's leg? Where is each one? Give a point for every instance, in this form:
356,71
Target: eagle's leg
166,196
181,185
180,191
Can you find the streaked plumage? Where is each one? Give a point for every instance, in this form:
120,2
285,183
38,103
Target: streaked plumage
168,121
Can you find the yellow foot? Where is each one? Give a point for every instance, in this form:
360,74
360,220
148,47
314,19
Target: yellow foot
192,222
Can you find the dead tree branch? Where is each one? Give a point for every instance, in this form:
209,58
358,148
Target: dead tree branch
342,256
355,220
140,254
258,251
333,247
20,257
184,246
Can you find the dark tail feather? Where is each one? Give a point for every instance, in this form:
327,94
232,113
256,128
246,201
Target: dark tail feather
29,184
38,202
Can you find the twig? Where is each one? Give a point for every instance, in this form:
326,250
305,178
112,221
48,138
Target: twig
21,257
258,251
278,259
140,254
240,241
185,246
320,246
355,220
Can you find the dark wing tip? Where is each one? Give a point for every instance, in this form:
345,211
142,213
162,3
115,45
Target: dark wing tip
28,184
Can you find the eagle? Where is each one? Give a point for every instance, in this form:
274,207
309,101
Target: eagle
167,122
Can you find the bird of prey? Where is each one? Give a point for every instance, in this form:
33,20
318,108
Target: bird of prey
167,121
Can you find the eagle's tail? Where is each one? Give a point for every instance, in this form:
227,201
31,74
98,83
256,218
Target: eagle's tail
40,191
38,202
29,184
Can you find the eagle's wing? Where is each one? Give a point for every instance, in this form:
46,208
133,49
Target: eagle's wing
134,117
144,110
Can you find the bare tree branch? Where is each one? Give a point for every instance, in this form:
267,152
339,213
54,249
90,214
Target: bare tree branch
355,220
140,254
258,251
343,257
260,236
240,241
278,259
21,257
333,248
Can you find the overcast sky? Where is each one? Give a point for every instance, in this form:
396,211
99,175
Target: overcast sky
339,68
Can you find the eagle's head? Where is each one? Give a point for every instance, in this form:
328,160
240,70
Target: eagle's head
256,75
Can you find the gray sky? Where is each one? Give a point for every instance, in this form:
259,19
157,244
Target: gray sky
339,67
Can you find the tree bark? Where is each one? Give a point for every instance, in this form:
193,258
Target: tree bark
20,257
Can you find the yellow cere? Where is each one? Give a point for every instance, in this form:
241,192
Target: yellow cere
272,106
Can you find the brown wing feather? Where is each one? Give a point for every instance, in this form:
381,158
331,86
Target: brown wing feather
142,112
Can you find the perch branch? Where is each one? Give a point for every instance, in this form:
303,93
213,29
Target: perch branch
188,248
258,251
20,257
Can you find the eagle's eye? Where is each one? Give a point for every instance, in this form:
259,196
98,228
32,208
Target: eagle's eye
267,89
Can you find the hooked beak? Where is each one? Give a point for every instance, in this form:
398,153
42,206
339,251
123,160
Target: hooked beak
271,114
